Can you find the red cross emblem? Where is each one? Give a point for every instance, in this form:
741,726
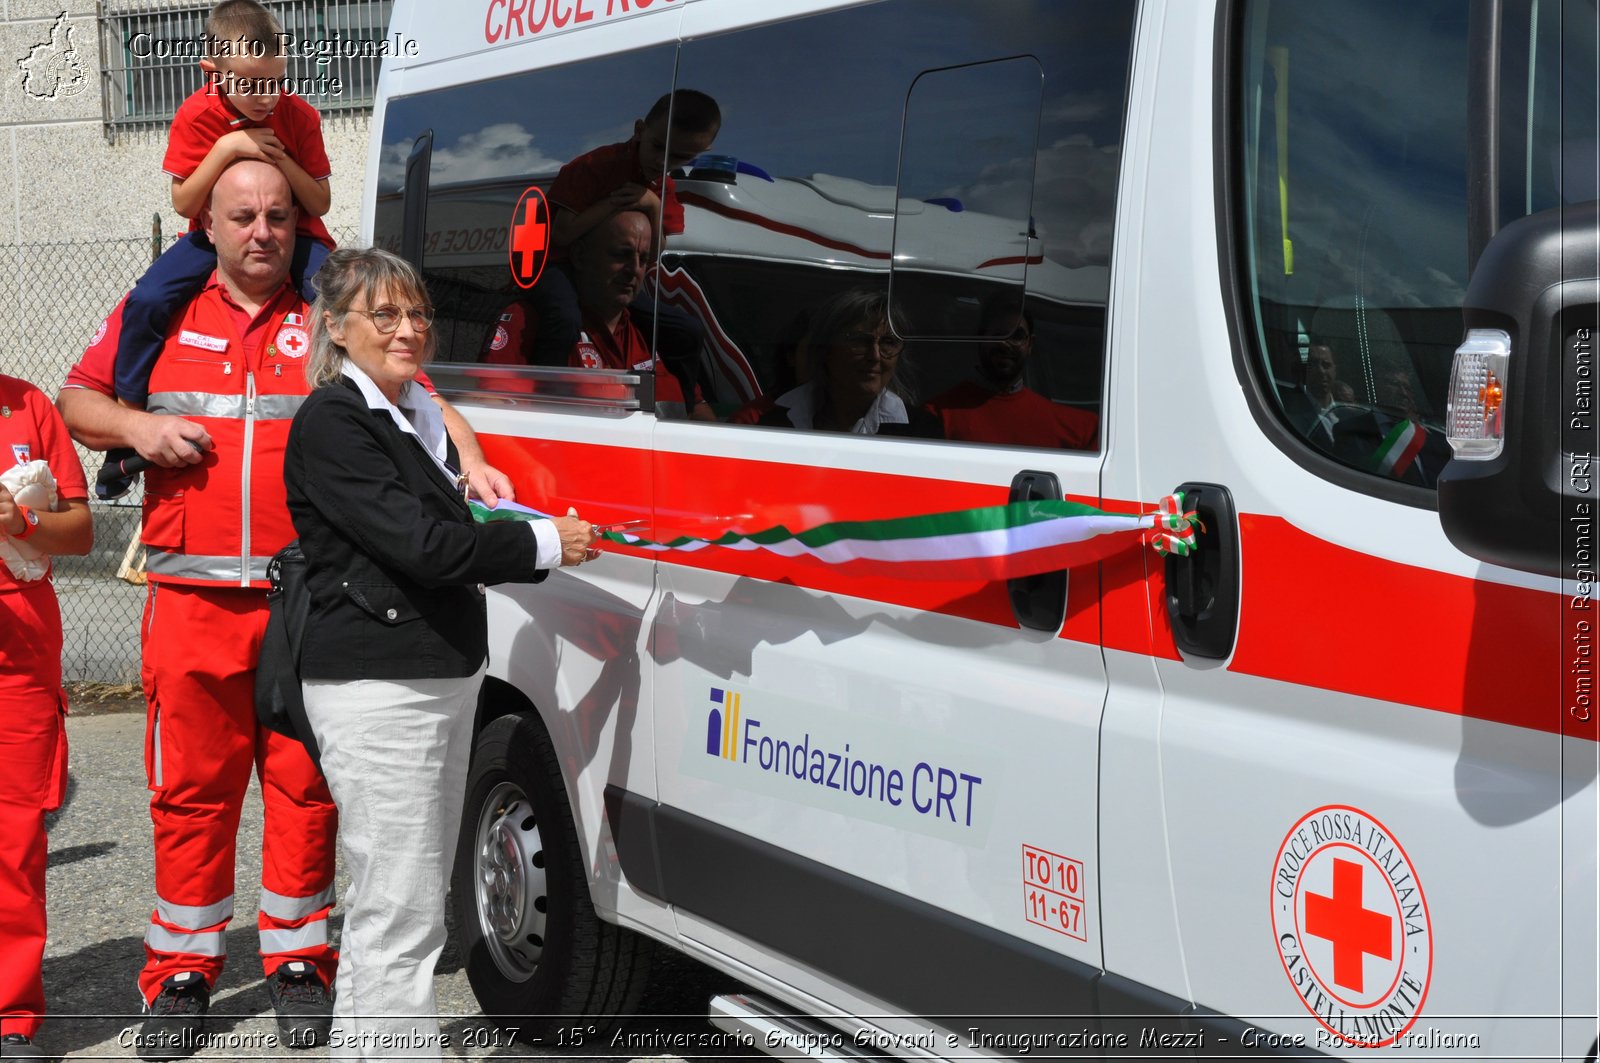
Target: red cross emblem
1355,930
1351,927
530,237
293,341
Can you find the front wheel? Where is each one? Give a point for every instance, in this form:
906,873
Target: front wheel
537,955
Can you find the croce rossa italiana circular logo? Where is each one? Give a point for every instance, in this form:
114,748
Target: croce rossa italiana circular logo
1352,927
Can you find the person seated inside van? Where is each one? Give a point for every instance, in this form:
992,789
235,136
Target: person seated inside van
996,406
1391,438
608,264
1313,407
854,372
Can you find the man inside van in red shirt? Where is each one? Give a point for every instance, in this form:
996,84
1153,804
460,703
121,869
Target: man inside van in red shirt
608,265
997,407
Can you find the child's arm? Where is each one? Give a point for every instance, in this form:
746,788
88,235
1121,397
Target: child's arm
189,194
571,226
315,197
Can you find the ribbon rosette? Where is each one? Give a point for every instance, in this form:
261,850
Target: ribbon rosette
992,543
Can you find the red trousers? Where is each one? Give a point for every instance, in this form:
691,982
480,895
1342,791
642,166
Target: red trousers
200,650
33,776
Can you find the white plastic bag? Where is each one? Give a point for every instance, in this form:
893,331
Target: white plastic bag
31,484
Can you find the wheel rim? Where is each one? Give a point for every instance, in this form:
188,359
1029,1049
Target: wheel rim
509,878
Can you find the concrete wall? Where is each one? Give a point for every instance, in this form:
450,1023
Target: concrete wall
63,179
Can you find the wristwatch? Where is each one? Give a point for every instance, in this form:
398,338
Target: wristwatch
30,522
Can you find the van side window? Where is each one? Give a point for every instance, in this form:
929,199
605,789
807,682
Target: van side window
956,292
1352,150
500,278
1355,172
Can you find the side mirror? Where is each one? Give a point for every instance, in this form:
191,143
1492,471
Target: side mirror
1525,399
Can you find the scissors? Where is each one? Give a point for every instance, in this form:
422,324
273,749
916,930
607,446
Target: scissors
616,525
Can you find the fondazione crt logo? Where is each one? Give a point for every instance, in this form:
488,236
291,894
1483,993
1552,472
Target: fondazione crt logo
780,748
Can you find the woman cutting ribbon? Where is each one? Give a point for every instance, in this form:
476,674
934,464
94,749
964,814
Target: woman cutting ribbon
396,641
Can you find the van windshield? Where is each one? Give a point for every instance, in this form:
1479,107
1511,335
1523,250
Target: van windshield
1352,140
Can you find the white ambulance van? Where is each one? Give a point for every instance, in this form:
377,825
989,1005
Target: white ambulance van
1325,787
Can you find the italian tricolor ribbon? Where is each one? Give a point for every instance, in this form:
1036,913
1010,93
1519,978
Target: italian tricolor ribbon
1399,449
994,542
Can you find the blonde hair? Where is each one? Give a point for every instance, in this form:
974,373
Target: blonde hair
829,323
348,274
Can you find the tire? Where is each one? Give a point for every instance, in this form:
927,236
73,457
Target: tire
537,955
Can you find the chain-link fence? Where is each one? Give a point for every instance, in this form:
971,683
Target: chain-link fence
54,297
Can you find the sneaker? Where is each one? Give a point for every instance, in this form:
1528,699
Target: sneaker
303,1004
175,1019
17,1046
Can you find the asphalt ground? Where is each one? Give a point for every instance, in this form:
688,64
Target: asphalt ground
101,890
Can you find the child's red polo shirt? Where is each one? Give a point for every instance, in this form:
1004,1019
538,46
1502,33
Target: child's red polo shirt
591,177
206,116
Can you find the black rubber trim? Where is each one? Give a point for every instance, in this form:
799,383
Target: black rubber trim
1153,1021
1231,267
922,960
1224,1037
635,837
909,954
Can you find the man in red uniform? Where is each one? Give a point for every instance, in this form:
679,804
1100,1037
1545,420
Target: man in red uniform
608,264
222,395
998,407
33,738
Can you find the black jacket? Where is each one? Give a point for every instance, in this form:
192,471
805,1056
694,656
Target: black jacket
393,558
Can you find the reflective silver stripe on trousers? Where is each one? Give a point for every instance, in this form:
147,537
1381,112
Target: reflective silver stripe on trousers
161,939
309,936
289,909
190,915
198,566
205,404
155,737
155,723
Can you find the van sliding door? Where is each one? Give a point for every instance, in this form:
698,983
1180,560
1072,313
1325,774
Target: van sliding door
881,785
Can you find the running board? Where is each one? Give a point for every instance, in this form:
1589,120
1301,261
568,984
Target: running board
784,1035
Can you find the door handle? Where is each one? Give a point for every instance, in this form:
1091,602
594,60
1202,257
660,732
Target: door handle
1203,586
1038,602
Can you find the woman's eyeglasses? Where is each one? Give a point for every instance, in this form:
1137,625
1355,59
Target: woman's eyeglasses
387,318
862,343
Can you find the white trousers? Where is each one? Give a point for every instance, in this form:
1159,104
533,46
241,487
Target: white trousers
395,754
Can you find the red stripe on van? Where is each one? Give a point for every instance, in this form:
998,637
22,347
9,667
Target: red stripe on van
707,203
1326,616
1313,613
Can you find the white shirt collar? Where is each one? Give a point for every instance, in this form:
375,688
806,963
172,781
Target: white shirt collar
801,405
416,414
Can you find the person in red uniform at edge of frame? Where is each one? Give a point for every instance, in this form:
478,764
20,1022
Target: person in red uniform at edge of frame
33,736
215,513
608,264
997,407
629,175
